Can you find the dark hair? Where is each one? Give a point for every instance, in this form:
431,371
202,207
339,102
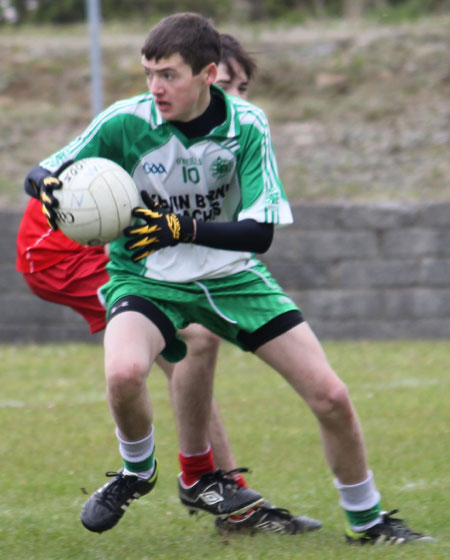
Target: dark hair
233,50
190,35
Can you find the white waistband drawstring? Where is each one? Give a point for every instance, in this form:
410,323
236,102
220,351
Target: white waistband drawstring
212,304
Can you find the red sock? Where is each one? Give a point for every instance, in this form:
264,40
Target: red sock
240,481
193,467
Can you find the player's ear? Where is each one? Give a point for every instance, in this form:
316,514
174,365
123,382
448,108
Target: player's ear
210,73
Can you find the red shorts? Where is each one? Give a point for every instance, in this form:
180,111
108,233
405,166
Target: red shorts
74,282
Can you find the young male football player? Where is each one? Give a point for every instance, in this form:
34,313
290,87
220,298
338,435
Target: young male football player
61,271
191,258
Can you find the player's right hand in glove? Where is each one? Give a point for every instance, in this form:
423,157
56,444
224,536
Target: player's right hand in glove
43,183
48,201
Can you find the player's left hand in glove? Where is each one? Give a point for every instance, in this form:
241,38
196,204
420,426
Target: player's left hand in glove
46,187
161,228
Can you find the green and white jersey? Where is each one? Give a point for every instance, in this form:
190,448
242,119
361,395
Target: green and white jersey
228,175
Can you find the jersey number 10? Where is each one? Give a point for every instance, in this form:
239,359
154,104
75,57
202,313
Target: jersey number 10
191,175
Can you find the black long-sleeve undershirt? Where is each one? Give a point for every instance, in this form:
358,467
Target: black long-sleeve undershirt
246,235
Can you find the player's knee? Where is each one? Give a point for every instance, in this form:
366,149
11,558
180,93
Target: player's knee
126,379
167,367
333,402
200,340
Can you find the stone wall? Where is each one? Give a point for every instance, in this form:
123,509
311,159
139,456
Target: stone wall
379,271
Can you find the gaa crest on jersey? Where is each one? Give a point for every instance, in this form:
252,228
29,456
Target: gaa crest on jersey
221,167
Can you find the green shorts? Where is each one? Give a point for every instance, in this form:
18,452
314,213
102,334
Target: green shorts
240,303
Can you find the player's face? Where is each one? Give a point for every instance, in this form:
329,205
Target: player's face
179,95
233,86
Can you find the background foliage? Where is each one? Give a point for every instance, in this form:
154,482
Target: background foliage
71,11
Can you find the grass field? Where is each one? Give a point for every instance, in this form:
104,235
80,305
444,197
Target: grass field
57,439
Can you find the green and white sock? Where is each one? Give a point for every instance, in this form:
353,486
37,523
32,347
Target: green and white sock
361,503
360,521
138,456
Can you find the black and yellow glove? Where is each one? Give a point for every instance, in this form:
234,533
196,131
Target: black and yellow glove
162,228
41,183
48,201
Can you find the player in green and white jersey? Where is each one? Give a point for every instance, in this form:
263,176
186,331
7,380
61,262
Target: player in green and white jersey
212,178
211,199
235,70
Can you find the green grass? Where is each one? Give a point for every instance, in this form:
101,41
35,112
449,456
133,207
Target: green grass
57,438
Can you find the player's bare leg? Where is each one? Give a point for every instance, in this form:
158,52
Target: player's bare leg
191,392
299,357
194,376
131,344
128,359
188,396
218,438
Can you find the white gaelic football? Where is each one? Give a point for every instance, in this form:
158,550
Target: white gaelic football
95,201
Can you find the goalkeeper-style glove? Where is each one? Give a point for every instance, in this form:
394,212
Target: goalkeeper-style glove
45,187
48,201
162,228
